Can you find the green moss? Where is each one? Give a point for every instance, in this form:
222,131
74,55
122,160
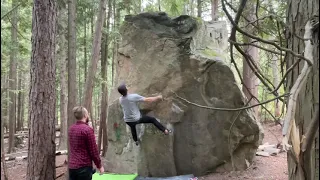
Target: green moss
210,53
198,19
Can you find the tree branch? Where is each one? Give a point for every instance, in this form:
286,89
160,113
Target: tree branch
8,13
241,79
285,75
236,27
229,109
235,11
255,45
262,78
233,38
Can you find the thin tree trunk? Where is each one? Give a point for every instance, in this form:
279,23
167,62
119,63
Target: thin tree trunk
92,23
104,106
6,125
19,100
72,62
8,105
114,41
159,5
137,6
4,166
191,8
13,77
199,6
42,101
22,107
85,49
116,44
214,10
79,84
249,78
275,73
62,59
3,110
185,8
87,101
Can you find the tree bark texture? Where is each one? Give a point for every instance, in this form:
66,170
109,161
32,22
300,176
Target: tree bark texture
214,10
42,96
19,104
13,76
191,7
116,14
275,73
199,6
250,80
62,58
298,14
104,86
72,63
85,50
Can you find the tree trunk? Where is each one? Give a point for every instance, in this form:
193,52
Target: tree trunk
276,81
8,105
3,86
199,6
249,79
116,13
19,100
104,59
4,110
13,76
42,100
298,14
137,6
85,50
85,53
72,63
87,101
214,10
23,101
62,59
191,8
79,84
159,5
185,9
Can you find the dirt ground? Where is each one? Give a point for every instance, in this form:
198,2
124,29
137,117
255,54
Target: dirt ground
263,168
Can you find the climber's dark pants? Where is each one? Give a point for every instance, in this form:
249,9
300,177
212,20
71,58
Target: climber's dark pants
144,120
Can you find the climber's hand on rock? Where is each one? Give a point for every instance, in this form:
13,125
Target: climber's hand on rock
159,97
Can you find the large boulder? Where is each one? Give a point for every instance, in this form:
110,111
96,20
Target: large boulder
182,56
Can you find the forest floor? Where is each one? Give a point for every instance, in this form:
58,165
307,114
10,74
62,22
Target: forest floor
263,168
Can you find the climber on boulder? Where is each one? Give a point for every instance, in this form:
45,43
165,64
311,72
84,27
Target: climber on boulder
131,112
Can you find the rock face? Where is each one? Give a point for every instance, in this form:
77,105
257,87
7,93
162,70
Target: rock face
183,56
